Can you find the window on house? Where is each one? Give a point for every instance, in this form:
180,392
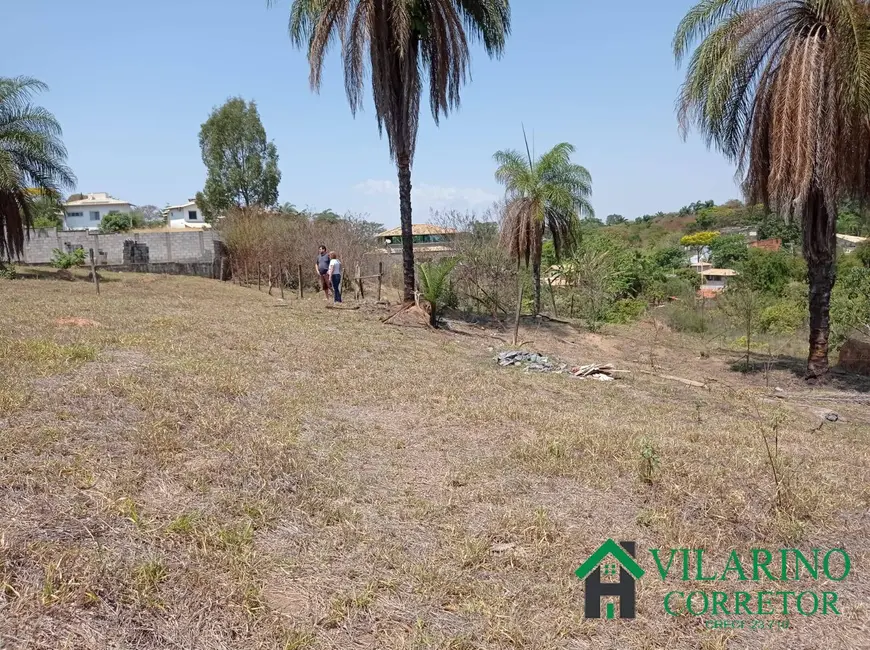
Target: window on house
73,215
191,216
95,215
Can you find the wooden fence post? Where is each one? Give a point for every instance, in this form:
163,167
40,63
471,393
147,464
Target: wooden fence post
94,271
258,276
299,277
362,293
380,278
281,278
270,279
223,263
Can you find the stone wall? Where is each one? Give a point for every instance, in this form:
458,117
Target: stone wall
152,247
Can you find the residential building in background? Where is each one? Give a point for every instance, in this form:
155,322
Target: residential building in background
848,243
426,237
186,215
716,279
86,211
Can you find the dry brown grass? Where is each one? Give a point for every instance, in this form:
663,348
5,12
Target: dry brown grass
207,470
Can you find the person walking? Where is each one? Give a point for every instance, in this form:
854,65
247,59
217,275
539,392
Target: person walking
323,270
334,272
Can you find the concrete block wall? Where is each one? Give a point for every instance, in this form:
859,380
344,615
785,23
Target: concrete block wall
184,246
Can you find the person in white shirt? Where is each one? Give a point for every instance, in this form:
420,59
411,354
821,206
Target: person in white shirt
335,275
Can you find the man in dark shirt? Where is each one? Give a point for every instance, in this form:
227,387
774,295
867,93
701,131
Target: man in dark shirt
323,270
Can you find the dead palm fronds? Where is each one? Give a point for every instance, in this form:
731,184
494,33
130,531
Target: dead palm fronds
543,196
782,88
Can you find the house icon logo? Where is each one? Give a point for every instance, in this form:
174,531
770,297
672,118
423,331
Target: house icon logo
612,557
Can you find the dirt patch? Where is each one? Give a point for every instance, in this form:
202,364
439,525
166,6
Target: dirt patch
76,322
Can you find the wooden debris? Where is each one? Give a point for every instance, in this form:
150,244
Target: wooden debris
682,380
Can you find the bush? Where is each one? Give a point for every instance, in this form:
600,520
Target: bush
116,222
850,304
626,311
862,254
783,317
61,260
769,272
728,251
685,317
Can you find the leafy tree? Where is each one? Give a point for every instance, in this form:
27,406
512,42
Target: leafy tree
62,260
767,271
669,257
241,165
326,216
544,196
115,222
47,211
31,156
699,241
775,226
435,284
727,251
615,219
783,89
402,44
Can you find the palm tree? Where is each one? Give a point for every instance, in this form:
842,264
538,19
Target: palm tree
32,160
400,42
782,88
542,196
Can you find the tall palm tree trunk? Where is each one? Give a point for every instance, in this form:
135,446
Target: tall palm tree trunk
820,249
404,165
536,272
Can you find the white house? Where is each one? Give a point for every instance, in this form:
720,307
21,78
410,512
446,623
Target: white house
87,212
187,215
717,279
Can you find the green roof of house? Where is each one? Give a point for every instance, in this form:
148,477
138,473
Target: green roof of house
610,548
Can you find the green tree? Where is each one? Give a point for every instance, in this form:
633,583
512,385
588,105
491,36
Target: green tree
241,165
775,226
47,211
401,44
32,156
727,251
699,241
115,222
783,89
543,197
615,219
767,271
668,258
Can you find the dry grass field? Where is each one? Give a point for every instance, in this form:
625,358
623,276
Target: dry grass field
189,464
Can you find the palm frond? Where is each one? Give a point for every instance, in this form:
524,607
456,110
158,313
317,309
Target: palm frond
32,155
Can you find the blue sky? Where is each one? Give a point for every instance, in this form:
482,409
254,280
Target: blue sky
131,83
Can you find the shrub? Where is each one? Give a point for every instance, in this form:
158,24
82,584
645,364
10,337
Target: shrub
683,317
783,317
61,260
850,304
115,222
769,272
728,251
626,311
862,254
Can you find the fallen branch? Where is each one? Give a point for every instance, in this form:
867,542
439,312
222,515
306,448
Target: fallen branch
687,382
342,306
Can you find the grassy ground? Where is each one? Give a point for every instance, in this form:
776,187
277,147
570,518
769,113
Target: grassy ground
188,464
